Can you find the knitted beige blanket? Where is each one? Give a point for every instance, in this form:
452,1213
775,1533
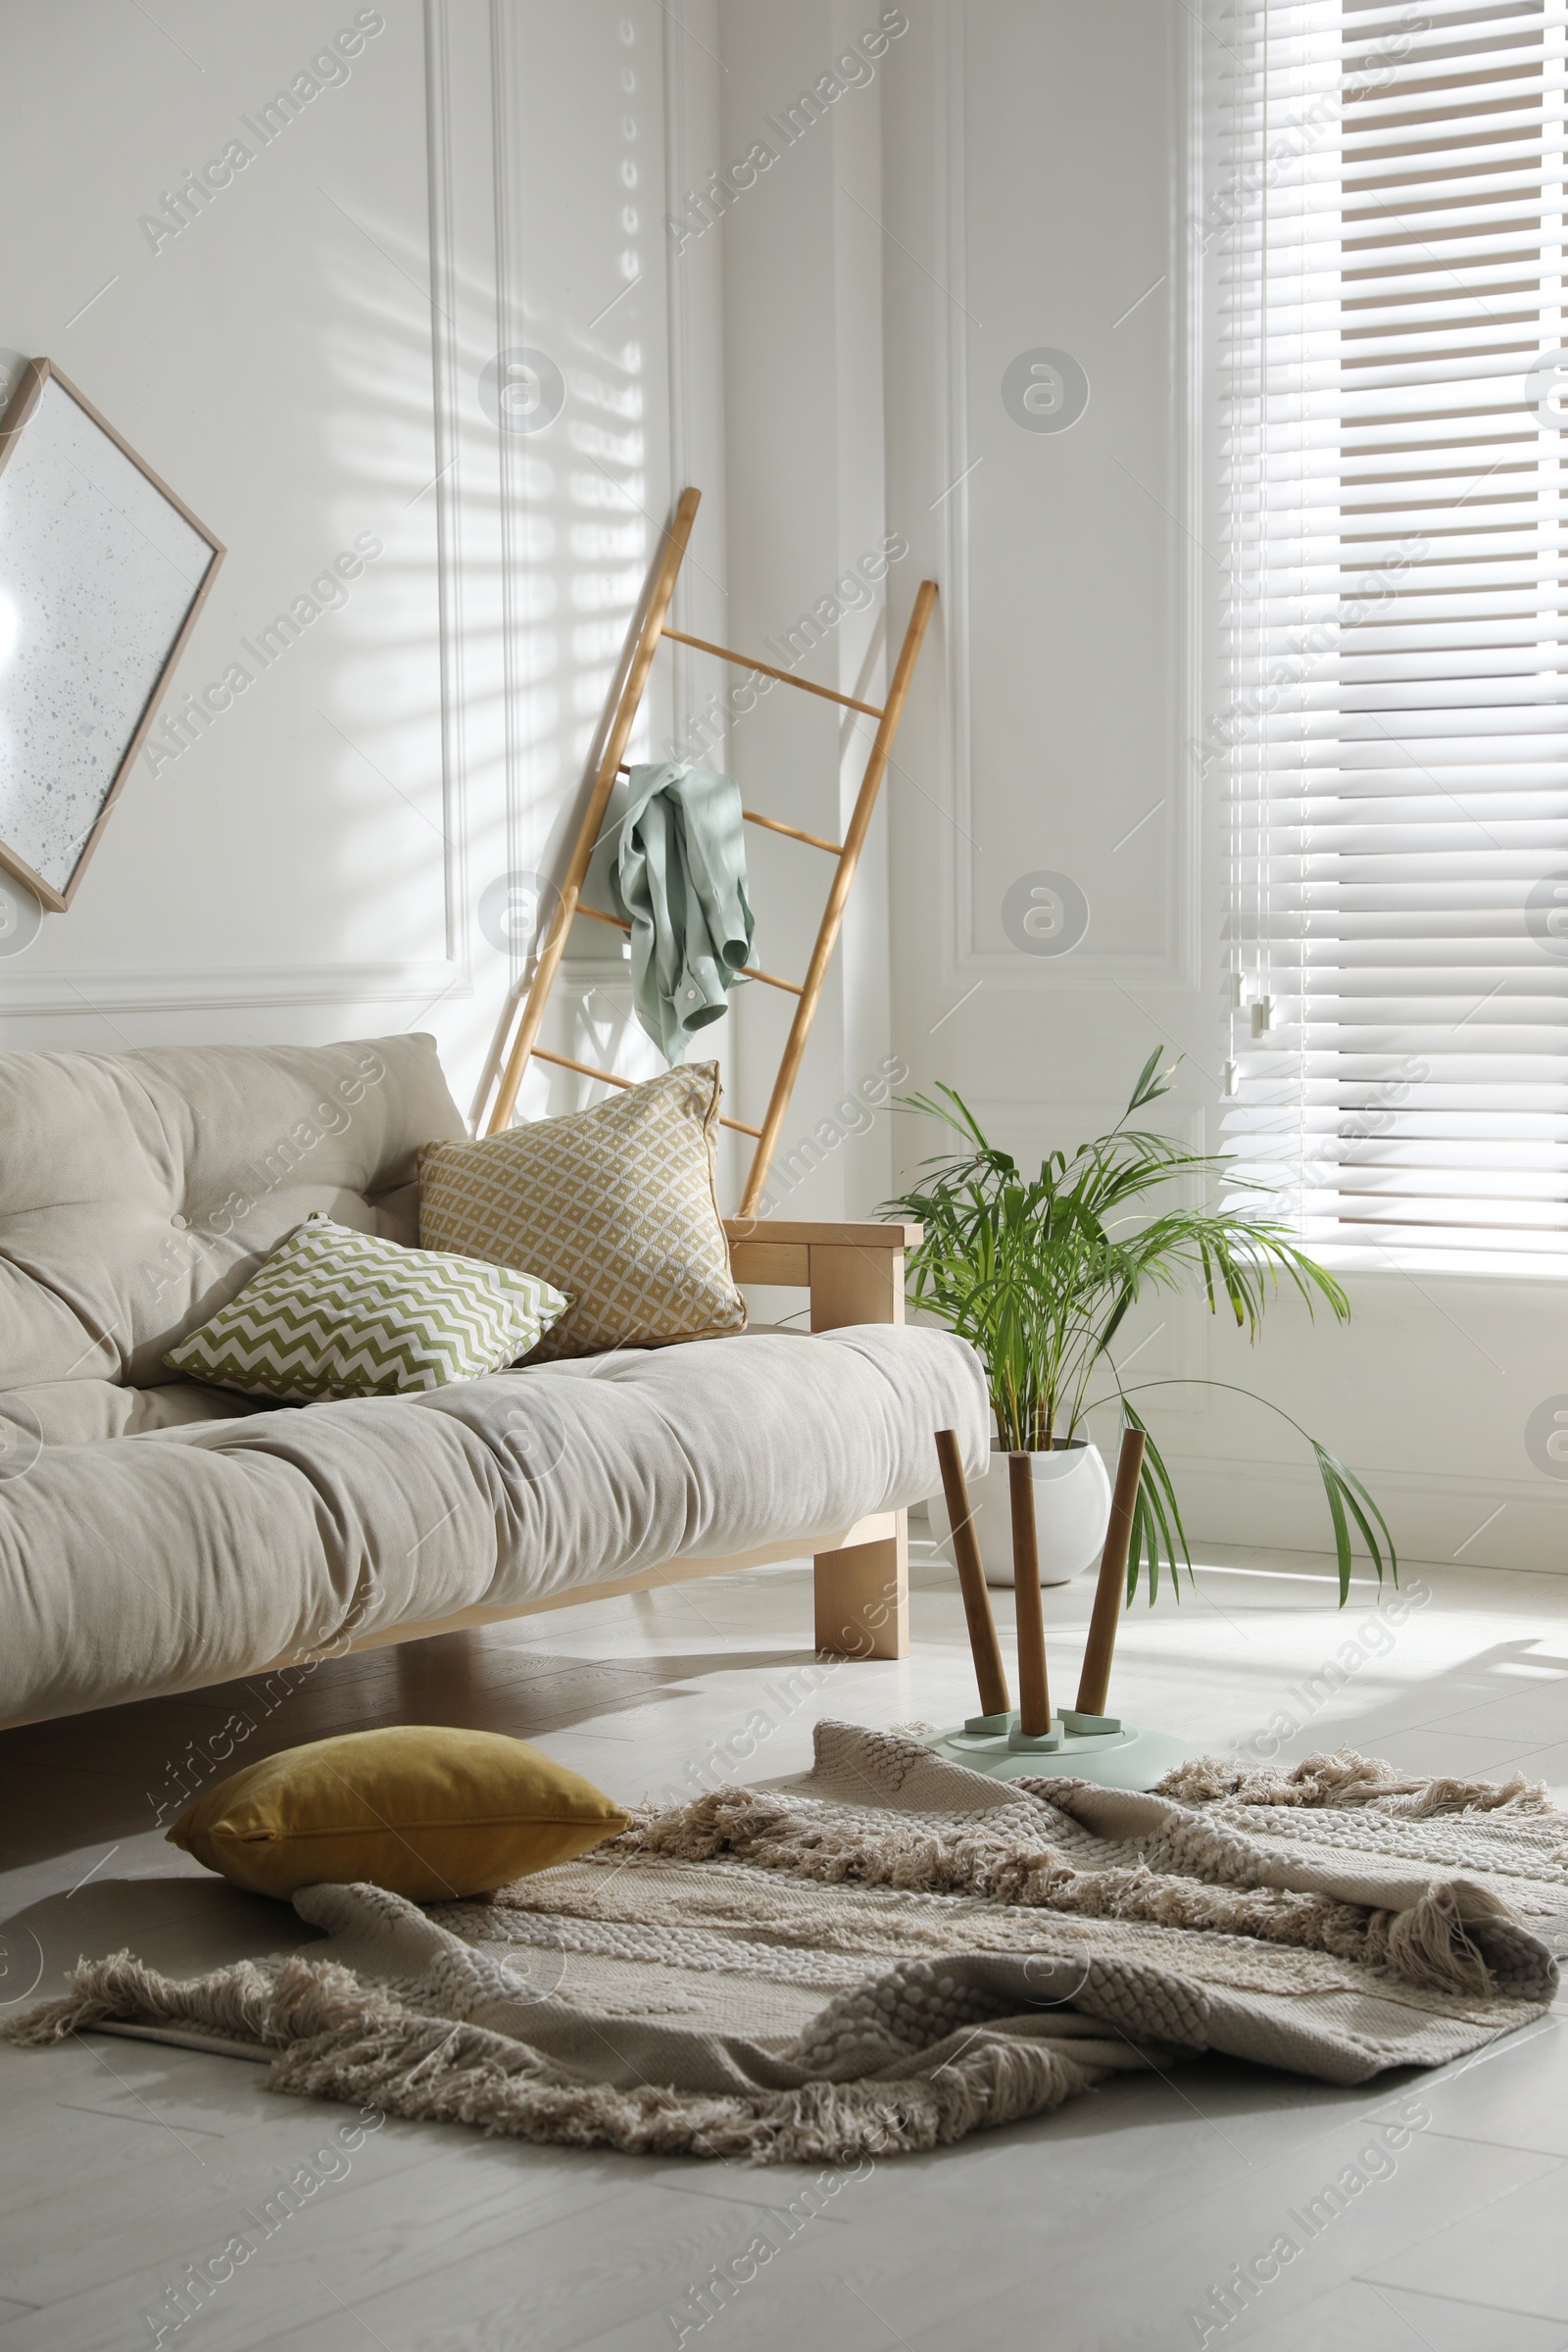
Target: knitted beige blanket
893,1951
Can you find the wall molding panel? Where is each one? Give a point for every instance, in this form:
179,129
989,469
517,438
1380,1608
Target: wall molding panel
103,993
81,990
446,398
1173,961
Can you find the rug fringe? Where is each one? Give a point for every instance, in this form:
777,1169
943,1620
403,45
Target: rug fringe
434,2072
247,2002
337,2037
1429,1946
1346,1779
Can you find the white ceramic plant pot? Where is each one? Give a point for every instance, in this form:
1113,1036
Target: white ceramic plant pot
1072,1509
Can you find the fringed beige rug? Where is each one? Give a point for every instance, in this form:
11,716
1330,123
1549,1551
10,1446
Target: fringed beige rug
893,1951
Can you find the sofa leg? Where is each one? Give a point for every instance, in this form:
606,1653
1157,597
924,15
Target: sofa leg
863,1597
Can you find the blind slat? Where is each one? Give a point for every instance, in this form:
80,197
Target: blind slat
1390,257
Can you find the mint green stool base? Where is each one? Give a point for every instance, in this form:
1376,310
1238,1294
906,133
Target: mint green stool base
1118,1756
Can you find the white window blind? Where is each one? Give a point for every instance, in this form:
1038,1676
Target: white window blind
1387,240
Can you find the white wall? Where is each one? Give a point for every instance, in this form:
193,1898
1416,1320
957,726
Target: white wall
1032,167
804,424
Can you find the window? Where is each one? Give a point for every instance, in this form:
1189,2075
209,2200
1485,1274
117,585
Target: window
1386,250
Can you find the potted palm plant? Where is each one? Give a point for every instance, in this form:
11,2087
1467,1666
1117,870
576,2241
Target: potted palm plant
1038,1274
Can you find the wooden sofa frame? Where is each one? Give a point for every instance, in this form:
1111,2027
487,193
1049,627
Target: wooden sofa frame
854,1274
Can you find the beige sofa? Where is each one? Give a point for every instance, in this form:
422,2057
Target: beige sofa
158,1536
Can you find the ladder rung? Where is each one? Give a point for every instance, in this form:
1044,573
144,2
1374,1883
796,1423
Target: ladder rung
754,971
786,677
596,914
563,1061
834,849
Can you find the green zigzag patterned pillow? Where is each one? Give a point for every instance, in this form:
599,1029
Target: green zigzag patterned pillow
340,1313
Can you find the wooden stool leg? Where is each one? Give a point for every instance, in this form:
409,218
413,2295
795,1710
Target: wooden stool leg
1034,1693
1093,1684
989,1672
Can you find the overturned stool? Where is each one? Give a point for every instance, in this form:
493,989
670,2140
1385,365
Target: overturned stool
1081,1743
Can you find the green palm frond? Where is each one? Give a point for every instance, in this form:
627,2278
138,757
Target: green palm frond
1157,1530
1347,1498
1040,1272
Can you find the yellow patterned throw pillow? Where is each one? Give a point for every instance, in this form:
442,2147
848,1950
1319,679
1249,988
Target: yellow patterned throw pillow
615,1205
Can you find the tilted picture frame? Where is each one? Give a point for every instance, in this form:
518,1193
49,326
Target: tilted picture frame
103,573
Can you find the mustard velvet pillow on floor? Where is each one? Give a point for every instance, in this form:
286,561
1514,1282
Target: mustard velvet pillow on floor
614,1205
427,1813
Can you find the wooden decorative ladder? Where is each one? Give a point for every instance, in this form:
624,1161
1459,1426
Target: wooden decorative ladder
846,854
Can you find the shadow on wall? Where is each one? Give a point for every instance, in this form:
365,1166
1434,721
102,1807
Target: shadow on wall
517,511
540,486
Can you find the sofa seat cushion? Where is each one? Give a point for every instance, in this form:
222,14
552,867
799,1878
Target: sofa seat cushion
163,1562
79,1412
139,1190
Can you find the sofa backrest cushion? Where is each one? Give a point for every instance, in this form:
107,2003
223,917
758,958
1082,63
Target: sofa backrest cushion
139,1190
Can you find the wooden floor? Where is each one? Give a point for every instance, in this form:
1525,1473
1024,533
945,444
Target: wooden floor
1099,2229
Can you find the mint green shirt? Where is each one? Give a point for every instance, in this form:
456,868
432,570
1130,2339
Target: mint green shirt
678,877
